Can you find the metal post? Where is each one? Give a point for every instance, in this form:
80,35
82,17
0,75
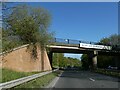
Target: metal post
68,41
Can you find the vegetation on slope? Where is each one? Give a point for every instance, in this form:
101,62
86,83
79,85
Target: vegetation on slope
8,75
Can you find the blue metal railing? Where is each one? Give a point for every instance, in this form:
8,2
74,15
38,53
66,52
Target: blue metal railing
69,41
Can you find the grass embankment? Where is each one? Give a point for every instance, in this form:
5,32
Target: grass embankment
8,75
39,82
108,72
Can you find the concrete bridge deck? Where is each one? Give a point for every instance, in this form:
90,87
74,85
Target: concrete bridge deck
79,50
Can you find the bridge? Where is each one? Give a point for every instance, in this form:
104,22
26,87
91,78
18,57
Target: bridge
92,49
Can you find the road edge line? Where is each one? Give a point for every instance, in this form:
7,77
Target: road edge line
53,82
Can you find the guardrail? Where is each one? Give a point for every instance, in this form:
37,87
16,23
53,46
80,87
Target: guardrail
19,81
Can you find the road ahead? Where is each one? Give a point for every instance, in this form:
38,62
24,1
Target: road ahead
86,79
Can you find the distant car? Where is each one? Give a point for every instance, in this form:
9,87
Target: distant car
110,67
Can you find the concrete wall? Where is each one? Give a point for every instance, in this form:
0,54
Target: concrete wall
21,60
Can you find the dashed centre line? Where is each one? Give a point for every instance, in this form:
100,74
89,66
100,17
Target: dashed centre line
92,79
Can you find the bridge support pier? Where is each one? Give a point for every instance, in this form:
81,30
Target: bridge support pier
117,61
50,55
94,59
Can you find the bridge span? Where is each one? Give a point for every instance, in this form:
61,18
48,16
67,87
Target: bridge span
92,49
79,50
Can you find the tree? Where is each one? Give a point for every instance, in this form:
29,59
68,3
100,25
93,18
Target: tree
85,61
55,61
111,40
29,25
0,39
61,61
104,61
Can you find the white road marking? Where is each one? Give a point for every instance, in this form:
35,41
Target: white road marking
92,79
52,84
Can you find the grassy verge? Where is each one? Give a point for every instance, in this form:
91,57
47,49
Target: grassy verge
108,72
8,75
39,82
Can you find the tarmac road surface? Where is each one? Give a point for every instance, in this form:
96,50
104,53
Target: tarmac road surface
86,79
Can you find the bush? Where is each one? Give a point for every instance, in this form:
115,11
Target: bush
108,72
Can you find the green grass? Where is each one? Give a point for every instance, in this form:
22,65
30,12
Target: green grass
8,75
107,72
39,82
